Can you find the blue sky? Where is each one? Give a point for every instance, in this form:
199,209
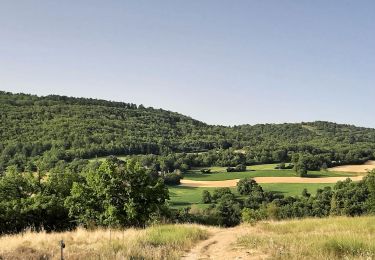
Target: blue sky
222,62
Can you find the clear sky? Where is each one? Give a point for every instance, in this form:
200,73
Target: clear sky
221,62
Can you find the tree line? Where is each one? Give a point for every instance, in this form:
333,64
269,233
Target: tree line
346,198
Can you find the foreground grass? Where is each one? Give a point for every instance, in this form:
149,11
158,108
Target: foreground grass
330,238
181,196
158,242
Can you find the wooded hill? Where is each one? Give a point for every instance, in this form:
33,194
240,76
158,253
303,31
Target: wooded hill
54,128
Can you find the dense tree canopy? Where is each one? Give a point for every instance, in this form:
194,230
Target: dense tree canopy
37,132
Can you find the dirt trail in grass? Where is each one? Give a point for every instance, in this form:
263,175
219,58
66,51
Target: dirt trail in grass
221,245
233,183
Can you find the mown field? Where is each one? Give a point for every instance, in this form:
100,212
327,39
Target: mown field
327,238
157,242
220,174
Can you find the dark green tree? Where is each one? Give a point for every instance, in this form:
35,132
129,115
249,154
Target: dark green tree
116,194
229,211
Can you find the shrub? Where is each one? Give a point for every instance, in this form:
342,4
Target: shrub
220,192
172,178
228,211
247,185
206,197
238,168
252,216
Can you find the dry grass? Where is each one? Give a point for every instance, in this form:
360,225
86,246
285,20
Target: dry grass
158,242
330,238
362,168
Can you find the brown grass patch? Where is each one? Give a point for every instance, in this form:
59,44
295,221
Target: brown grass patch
363,168
233,183
158,242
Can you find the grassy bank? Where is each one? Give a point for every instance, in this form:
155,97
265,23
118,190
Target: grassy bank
158,242
329,238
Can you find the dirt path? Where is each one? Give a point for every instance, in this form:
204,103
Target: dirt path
233,183
221,246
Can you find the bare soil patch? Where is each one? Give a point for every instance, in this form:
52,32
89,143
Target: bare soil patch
368,166
221,245
233,183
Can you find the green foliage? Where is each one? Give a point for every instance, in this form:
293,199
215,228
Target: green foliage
370,183
247,185
349,198
206,197
238,168
173,178
37,132
116,194
220,192
229,211
252,216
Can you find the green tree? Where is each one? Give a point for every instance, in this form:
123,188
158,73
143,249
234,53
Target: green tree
248,185
206,197
116,194
229,211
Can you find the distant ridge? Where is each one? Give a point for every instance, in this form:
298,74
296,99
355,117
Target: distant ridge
65,128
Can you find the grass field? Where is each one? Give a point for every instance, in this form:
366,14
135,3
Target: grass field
188,196
220,174
328,238
157,242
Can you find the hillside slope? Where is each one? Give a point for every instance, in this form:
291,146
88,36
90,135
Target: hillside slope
327,238
64,128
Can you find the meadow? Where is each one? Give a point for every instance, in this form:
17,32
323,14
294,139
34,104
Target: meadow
156,242
327,238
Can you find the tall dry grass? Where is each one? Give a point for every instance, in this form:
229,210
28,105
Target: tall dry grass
158,242
329,238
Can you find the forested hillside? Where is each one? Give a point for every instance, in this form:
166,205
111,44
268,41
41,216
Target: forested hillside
40,131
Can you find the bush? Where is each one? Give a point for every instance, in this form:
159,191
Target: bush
228,211
238,168
172,178
252,216
220,192
247,185
205,171
206,197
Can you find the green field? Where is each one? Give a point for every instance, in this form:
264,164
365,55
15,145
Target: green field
266,170
187,196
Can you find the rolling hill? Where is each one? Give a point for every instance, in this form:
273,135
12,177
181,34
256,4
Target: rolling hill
64,128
